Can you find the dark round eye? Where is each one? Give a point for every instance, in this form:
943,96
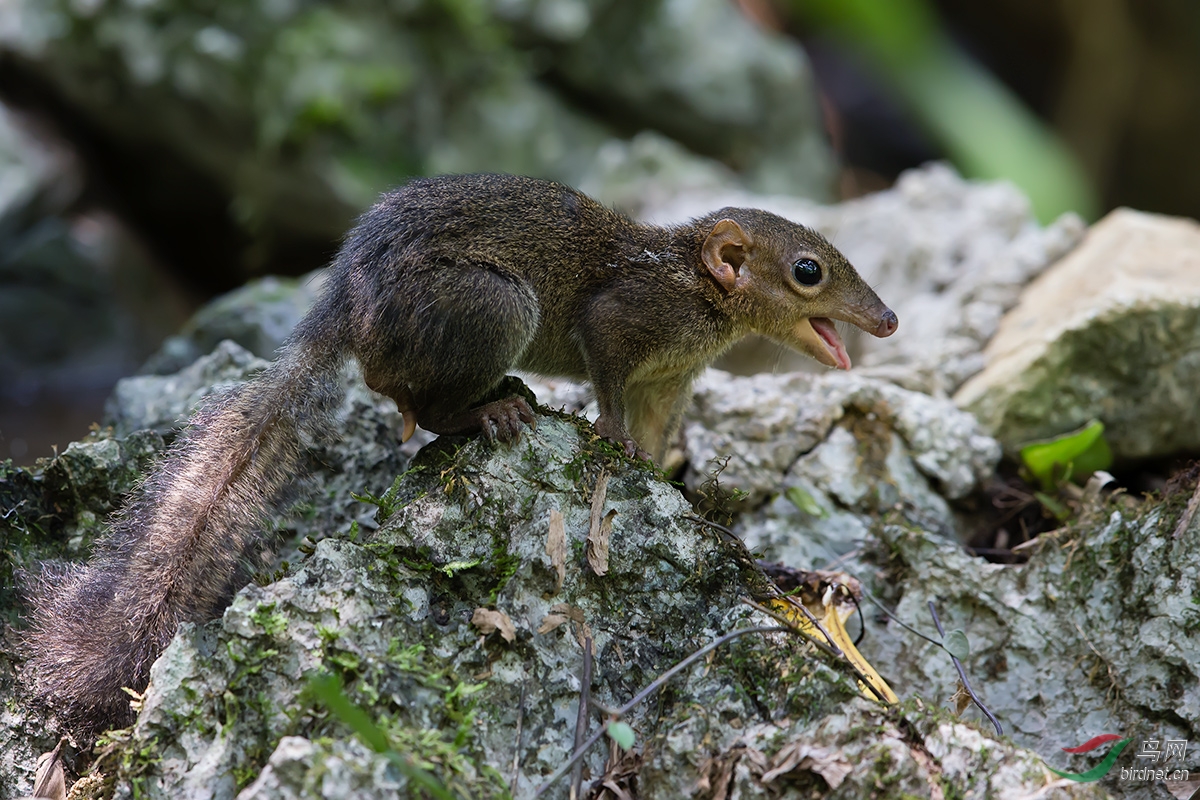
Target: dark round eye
806,272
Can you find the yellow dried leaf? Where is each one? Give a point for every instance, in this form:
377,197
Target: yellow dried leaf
831,613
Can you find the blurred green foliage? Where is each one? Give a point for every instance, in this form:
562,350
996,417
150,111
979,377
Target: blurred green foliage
981,125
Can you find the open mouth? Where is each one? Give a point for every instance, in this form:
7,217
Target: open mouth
828,343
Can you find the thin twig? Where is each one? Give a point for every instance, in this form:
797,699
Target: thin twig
899,621
962,674
843,558
654,686
581,719
714,525
862,623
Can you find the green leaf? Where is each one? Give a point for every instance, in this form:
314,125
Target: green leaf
805,502
622,734
328,689
956,644
1073,455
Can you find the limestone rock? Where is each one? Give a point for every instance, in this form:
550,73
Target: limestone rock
258,316
767,422
467,527
365,456
1111,332
164,402
1096,634
820,458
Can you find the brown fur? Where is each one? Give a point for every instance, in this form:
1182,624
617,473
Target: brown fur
440,289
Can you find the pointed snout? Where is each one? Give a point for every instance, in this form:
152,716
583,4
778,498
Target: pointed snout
887,324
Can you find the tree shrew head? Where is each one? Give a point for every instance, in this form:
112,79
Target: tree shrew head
788,282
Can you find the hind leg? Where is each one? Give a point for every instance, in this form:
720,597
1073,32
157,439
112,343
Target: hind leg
451,333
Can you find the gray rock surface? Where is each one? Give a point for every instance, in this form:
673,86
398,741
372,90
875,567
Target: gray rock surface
1096,634
258,316
365,456
163,403
1111,332
764,423
52,512
949,256
468,528
821,458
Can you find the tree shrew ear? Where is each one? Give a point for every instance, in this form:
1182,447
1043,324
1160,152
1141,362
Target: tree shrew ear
724,251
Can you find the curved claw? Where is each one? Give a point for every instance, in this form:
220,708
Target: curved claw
502,419
410,425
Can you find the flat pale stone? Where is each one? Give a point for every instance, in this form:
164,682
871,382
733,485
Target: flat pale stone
1112,332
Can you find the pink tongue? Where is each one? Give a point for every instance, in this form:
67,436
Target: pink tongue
828,333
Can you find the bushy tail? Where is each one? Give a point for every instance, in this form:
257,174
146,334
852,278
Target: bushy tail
175,553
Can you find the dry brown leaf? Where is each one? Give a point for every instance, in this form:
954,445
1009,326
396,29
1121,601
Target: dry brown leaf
571,612
560,613
556,548
619,781
716,773
962,699
583,632
599,495
1184,790
488,620
49,780
715,776
598,564
827,762
597,544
